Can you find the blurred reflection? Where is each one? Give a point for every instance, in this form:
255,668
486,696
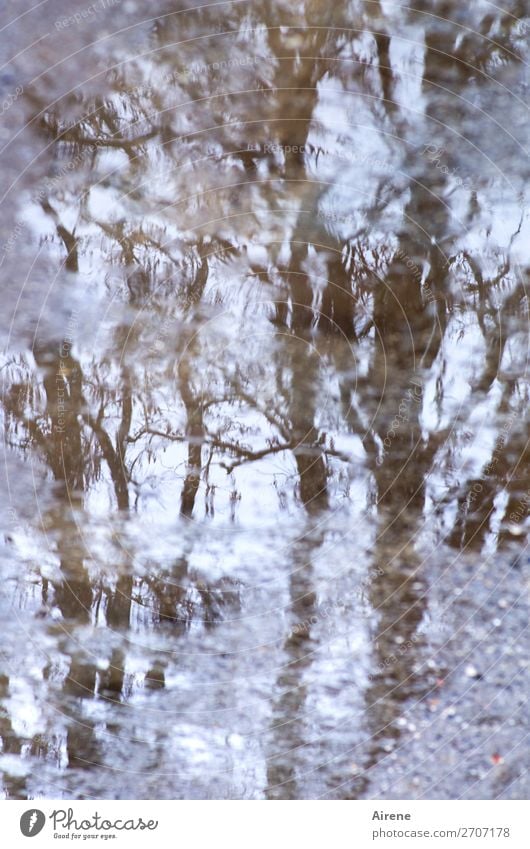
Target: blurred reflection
294,242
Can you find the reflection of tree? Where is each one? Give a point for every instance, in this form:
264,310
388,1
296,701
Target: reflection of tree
194,433
11,745
184,246
288,733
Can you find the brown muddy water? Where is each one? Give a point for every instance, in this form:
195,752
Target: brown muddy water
265,392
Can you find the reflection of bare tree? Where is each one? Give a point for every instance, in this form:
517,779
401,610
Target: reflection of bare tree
15,786
404,343
287,728
287,731
186,245
194,432
61,442
399,597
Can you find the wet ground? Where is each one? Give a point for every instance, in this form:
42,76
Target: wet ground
264,400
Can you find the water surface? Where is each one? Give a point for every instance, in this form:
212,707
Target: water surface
265,401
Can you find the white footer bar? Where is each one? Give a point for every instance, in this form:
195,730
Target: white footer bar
266,825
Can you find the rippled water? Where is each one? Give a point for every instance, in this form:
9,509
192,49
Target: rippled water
264,396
